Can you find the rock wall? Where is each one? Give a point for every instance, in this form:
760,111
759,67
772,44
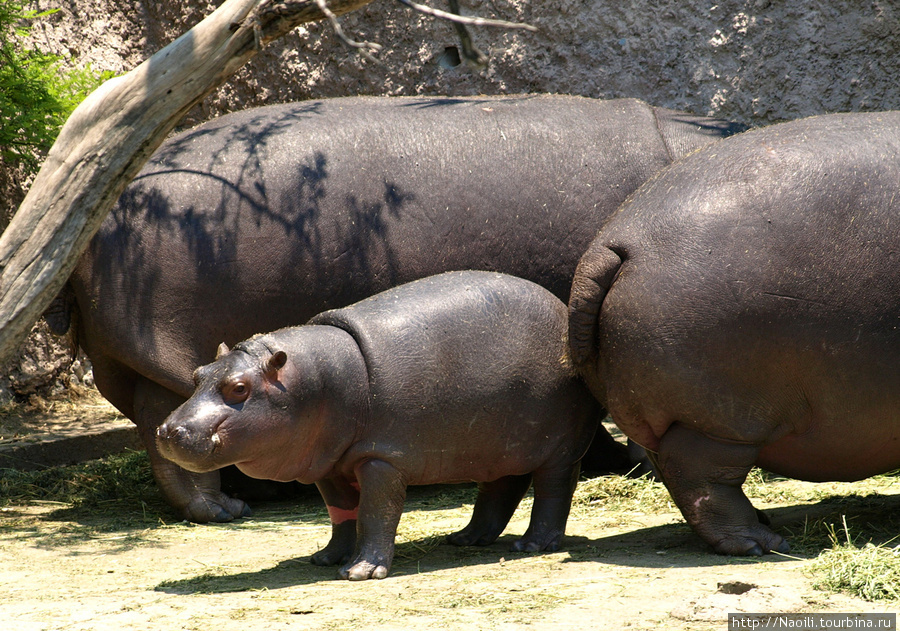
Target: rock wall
754,61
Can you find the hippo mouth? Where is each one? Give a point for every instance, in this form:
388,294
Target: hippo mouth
193,450
215,439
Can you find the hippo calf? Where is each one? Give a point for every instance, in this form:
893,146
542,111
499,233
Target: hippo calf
262,219
743,308
459,377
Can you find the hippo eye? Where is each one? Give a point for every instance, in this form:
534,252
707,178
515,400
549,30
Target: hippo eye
235,392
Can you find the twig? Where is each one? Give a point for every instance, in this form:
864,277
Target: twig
459,19
363,48
471,54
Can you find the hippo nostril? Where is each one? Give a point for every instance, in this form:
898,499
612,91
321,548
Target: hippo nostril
167,432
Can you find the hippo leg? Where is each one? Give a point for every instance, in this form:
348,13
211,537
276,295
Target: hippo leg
195,495
704,476
496,503
382,494
553,490
606,455
342,500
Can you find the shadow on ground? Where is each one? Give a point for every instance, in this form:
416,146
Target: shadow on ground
871,518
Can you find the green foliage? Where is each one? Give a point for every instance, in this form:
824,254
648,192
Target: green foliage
37,92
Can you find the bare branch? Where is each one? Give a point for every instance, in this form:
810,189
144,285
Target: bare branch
364,48
459,19
474,57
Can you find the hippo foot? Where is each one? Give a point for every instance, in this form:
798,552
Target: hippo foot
214,506
757,541
340,548
328,556
363,569
532,543
469,536
496,502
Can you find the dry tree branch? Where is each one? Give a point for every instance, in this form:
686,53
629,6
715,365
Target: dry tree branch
110,136
467,21
364,48
474,57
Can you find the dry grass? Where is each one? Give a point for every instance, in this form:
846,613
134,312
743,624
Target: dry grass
869,571
622,493
124,477
80,407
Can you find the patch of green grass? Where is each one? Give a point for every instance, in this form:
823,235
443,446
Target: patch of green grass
870,571
124,477
873,516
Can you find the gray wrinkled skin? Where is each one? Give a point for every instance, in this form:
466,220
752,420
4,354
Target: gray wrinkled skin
743,308
261,219
458,377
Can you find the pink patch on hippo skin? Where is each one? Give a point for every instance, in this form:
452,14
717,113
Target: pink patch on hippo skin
340,515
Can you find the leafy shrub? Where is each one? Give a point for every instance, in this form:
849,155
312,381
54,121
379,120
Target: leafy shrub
37,91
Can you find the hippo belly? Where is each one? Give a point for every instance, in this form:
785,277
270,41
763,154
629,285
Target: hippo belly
743,309
839,450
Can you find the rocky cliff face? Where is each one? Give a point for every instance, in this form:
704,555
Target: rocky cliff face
754,61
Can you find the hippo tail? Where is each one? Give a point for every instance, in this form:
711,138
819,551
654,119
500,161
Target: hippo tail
594,276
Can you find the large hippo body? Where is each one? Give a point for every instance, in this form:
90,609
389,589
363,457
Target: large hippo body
464,376
261,219
744,309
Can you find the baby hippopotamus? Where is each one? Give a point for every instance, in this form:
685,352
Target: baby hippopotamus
458,377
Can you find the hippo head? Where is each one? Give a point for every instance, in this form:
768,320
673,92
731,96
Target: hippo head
233,416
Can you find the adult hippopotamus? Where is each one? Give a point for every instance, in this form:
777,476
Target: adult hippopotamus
263,218
743,308
459,377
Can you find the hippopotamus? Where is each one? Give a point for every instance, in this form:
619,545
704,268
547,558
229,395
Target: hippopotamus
463,376
742,309
263,218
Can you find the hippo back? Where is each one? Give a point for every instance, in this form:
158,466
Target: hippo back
450,339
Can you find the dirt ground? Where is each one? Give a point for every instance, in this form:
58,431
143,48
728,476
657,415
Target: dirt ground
131,564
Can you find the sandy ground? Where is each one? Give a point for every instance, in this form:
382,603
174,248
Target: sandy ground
131,564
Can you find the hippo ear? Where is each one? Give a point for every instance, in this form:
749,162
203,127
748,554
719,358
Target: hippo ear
276,362
222,350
